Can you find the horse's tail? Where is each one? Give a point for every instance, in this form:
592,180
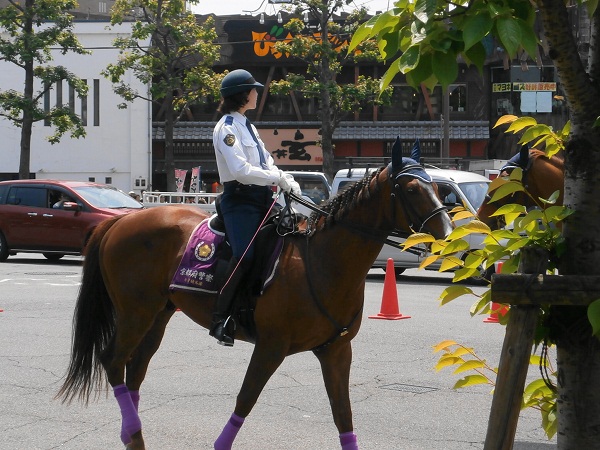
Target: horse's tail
93,325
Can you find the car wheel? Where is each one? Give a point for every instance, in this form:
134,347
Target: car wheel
399,270
4,252
53,256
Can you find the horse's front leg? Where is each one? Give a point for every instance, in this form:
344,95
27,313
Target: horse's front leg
335,365
263,364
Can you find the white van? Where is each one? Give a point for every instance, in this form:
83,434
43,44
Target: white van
456,188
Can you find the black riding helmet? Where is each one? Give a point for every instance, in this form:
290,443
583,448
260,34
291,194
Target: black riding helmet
238,80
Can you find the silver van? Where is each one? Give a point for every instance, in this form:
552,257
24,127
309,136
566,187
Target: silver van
456,188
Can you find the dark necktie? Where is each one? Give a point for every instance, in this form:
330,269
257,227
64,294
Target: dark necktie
263,163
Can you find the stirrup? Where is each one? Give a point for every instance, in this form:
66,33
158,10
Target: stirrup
221,335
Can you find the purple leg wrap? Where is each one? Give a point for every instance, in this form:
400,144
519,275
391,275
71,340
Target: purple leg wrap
130,421
227,436
348,441
135,398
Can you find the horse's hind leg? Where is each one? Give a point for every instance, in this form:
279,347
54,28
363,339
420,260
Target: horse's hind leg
335,365
137,367
263,364
131,330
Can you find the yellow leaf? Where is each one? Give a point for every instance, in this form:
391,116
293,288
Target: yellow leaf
469,365
477,226
429,260
507,118
446,362
457,245
443,345
449,263
454,291
520,123
418,238
471,380
462,351
496,183
462,215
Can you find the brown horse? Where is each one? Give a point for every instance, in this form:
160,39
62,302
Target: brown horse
542,176
314,303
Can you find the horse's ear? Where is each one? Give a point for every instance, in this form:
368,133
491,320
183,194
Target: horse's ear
524,155
397,155
416,151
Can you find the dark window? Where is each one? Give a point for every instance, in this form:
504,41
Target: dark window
97,100
3,193
28,196
457,98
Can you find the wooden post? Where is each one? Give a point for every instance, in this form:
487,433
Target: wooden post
514,360
510,383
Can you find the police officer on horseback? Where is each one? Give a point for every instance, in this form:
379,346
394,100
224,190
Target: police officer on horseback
247,172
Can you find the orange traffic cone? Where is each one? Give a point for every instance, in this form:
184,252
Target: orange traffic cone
496,307
389,302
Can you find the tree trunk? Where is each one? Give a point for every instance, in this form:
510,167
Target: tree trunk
578,357
326,77
578,374
27,124
169,151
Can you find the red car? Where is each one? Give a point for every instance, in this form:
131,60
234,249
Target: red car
54,217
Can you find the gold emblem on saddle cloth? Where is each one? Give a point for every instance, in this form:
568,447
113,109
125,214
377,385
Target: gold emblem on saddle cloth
204,251
229,140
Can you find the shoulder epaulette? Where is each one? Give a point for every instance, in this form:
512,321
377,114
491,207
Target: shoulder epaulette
229,120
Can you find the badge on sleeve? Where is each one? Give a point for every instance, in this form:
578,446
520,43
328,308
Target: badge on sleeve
229,140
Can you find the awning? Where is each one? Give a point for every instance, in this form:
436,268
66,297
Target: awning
347,131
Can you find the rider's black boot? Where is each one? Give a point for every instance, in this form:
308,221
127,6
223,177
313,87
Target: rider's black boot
219,327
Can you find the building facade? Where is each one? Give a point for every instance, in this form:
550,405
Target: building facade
125,147
117,147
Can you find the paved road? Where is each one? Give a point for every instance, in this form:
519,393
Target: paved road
399,401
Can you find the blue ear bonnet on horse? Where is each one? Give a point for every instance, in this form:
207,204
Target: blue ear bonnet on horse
407,166
521,160
412,168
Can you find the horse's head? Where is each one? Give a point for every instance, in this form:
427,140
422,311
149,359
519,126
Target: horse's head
416,195
542,176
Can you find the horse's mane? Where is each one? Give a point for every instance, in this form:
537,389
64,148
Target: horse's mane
340,205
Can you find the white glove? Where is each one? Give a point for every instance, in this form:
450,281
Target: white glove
288,184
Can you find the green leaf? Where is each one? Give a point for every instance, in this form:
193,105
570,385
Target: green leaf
534,133
424,10
529,40
445,67
509,33
409,59
476,55
593,313
507,189
475,28
458,245
471,380
389,75
552,199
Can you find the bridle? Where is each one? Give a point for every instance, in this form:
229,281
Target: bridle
410,213
409,209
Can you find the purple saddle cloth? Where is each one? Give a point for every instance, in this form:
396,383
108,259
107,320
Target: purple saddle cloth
196,271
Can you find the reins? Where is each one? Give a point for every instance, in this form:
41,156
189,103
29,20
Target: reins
368,233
